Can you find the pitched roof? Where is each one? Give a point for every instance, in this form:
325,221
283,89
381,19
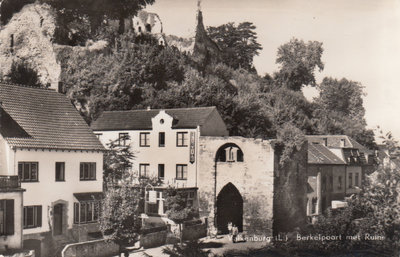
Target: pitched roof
141,119
334,141
48,120
319,154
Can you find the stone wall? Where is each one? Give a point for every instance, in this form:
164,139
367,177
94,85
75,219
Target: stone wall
96,248
153,239
290,197
253,178
194,232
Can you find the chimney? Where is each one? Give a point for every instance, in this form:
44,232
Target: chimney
148,108
61,88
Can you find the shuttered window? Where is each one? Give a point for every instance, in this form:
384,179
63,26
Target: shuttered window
7,217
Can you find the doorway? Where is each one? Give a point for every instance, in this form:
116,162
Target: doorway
229,208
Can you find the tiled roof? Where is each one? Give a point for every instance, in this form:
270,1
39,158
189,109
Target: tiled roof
334,141
319,154
141,119
354,156
49,118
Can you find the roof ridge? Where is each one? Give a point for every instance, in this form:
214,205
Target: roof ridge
163,109
27,86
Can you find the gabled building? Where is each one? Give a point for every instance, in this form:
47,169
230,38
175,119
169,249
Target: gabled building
337,165
59,161
326,178
230,179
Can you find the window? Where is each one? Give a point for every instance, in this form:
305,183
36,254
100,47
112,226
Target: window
6,217
86,212
161,139
161,169
144,170
181,139
350,180
123,139
356,182
181,171
331,183
325,141
87,171
60,171
339,182
28,171
32,216
145,139
342,142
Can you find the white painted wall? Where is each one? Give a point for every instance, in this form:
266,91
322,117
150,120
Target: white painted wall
47,190
170,155
14,241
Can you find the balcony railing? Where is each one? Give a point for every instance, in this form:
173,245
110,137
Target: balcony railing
9,182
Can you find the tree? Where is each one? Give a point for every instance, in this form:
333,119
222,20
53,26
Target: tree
238,44
9,7
120,217
339,110
117,160
177,207
94,12
22,73
298,61
119,78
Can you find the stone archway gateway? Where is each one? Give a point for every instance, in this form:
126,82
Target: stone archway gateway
229,208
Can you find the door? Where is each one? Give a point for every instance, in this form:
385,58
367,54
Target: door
58,219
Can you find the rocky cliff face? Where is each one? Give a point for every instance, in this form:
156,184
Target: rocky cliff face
28,37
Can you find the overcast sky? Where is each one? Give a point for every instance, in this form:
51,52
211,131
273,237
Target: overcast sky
361,40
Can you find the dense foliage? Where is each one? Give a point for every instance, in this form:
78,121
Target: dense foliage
120,217
9,7
135,74
80,20
178,209
238,44
22,73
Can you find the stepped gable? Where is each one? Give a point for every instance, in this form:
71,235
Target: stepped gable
44,119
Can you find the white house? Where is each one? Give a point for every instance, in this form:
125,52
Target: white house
59,162
164,142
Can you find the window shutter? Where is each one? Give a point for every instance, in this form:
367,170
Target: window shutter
9,217
39,216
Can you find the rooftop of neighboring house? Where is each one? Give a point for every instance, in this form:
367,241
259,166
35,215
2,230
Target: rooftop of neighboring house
344,147
336,141
184,118
320,154
37,118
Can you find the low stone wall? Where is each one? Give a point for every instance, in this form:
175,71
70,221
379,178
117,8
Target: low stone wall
96,248
153,239
194,232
